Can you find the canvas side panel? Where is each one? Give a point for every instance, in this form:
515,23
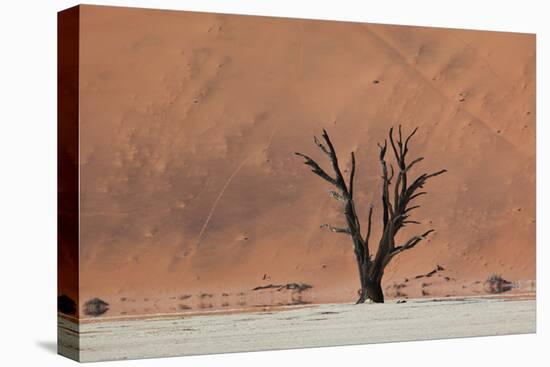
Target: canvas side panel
67,180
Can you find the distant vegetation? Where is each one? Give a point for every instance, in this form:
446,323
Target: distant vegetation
95,307
496,284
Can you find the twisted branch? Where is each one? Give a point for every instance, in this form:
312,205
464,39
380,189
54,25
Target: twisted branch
344,192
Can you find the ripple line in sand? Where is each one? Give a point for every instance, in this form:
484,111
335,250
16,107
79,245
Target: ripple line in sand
213,208
227,183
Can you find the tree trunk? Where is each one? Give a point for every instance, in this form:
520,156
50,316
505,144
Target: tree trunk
373,281
374,290
363,274
362,296
371,285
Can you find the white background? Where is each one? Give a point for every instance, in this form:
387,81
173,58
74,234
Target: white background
28,181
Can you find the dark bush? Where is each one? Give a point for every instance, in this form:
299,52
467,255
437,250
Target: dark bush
95,307
496,284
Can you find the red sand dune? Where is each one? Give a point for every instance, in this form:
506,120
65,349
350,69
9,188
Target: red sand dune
189,185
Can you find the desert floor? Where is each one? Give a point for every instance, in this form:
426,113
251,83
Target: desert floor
297,327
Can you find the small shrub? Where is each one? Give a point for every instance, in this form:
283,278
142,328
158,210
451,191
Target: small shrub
496,284
95,307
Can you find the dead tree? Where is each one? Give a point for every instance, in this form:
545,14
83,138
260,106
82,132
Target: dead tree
396,208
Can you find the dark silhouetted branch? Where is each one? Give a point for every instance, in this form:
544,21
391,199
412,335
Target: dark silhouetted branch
336,229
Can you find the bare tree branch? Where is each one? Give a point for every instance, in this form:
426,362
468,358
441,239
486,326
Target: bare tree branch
411,208
411,222
417,195
436,173
337,196
385,184
335,166
417,160
344,195
316,168
321,146
352,174
397,156
369,229
336,229
406,149
411,243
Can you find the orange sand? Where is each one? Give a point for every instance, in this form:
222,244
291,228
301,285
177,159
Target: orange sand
189,185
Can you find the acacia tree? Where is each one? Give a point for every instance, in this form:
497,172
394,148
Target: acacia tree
396,208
